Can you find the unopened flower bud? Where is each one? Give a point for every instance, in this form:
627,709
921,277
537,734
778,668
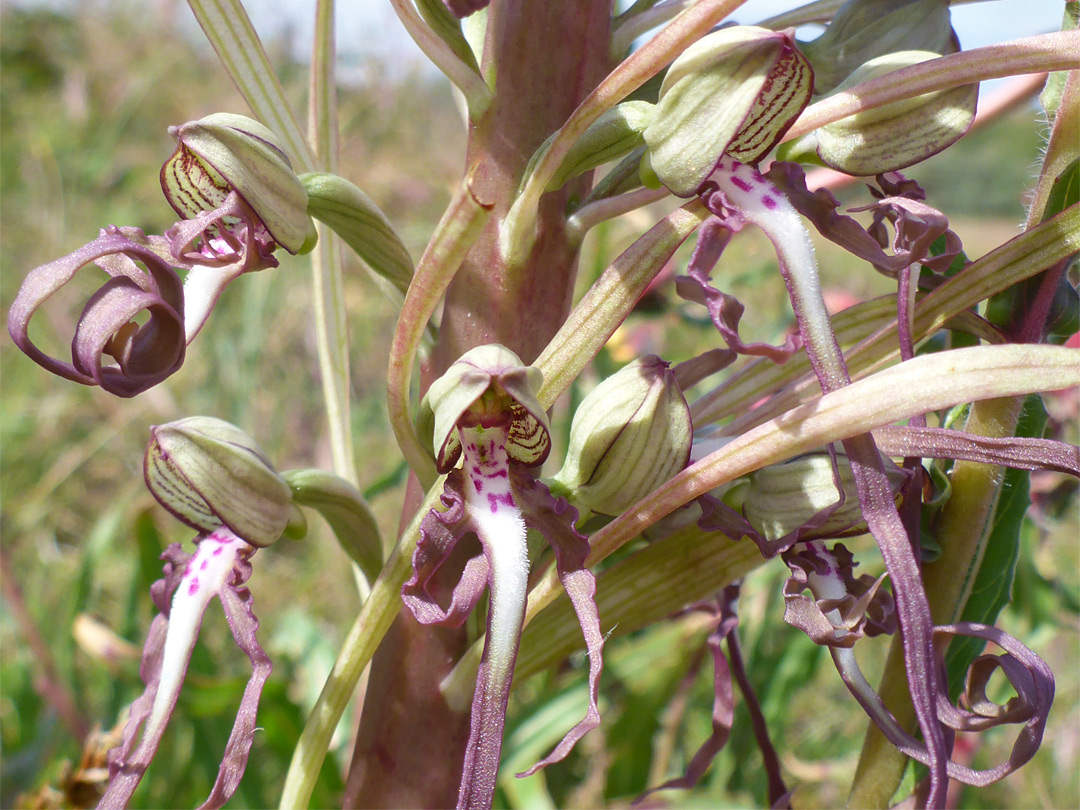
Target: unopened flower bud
891,137
209,473
629,435
783,497
225,152
488,382
735,91
866,29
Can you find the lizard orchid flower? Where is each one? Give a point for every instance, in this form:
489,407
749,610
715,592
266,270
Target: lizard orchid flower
484,411
239,199
213,477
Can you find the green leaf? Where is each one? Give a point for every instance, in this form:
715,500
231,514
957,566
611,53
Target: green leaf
992,589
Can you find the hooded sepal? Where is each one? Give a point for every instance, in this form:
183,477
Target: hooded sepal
893,136
488,370
207,472
735,91
225,152
629,435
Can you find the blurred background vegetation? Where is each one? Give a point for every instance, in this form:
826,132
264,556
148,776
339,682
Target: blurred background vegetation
86,101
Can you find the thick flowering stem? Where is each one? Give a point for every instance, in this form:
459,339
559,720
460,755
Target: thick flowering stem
500,526
518,234
453,237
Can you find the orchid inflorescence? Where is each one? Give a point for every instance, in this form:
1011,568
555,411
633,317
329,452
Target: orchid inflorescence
797,447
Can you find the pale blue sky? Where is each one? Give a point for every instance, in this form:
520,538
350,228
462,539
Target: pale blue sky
370,25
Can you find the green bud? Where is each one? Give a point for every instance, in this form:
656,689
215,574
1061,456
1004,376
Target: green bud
891,137
783,497
355,218
866,29
735,91
489,379
614,134
209,473
225,152
629,435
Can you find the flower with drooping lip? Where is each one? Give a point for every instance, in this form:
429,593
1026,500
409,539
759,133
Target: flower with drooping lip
239,197
212,476
484,411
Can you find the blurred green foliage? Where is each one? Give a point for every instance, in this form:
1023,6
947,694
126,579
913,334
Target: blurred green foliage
87,99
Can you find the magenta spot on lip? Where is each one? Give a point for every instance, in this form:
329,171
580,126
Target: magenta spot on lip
478,484
741,184
193,588
500,473
503,498
204,564
768,202
218,550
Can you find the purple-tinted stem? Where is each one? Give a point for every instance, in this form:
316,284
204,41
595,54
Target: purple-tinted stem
777,789
1019,452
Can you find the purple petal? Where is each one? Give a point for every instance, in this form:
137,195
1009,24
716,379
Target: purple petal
555,519
236,601
723,713
724,310
1028,675
151,353
439,533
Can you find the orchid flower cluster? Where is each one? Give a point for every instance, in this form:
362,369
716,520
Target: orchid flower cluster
849,427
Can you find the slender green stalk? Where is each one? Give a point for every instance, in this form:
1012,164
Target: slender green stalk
589,216
328,287
518,234
637,25
610,299
454,236
376,615
460,226
241,52
1038,54
468,81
